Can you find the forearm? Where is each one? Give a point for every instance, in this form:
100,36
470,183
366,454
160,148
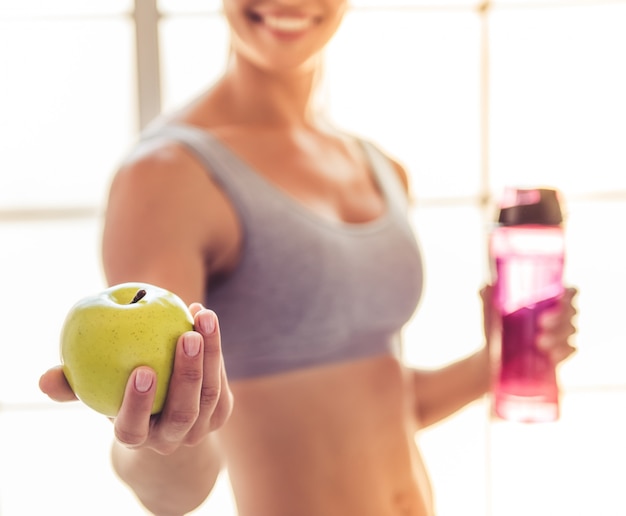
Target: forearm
169,485
442,392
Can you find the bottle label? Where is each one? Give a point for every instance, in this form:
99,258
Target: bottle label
524,281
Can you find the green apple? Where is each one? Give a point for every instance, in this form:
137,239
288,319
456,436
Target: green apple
107,335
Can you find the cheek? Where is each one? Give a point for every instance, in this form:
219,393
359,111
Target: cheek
240,28
235,14
339,8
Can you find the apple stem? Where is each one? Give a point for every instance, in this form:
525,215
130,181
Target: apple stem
139,295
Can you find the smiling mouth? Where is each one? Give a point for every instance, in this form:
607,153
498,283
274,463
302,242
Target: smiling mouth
283,23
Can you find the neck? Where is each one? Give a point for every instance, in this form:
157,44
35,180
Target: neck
271,98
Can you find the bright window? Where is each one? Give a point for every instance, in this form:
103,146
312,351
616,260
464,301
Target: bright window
469,99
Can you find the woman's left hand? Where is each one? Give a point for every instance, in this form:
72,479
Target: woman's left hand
557,327
556,324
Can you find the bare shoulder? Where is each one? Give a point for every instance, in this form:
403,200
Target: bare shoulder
166,221
153,178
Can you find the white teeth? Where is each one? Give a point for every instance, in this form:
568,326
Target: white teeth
286,24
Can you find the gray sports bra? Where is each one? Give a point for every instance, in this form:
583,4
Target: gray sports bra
307,292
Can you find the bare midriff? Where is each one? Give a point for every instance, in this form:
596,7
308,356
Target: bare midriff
334,441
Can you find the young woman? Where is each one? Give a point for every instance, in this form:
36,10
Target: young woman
247,202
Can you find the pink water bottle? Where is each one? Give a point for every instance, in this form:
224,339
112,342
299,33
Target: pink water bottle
527,249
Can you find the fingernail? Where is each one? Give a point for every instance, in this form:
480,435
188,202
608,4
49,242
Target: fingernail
143,380
206,322
191,345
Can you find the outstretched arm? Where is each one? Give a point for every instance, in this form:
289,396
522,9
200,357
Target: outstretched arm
167,224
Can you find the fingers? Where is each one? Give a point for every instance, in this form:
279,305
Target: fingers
183,398
215,397
198,399
194,308
196,394
559,320
557,328
164,433
132,424
557,324
54,384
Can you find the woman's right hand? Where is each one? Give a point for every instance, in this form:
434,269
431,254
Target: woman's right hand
199,399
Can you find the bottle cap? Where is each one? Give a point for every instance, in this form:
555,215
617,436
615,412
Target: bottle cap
530,206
